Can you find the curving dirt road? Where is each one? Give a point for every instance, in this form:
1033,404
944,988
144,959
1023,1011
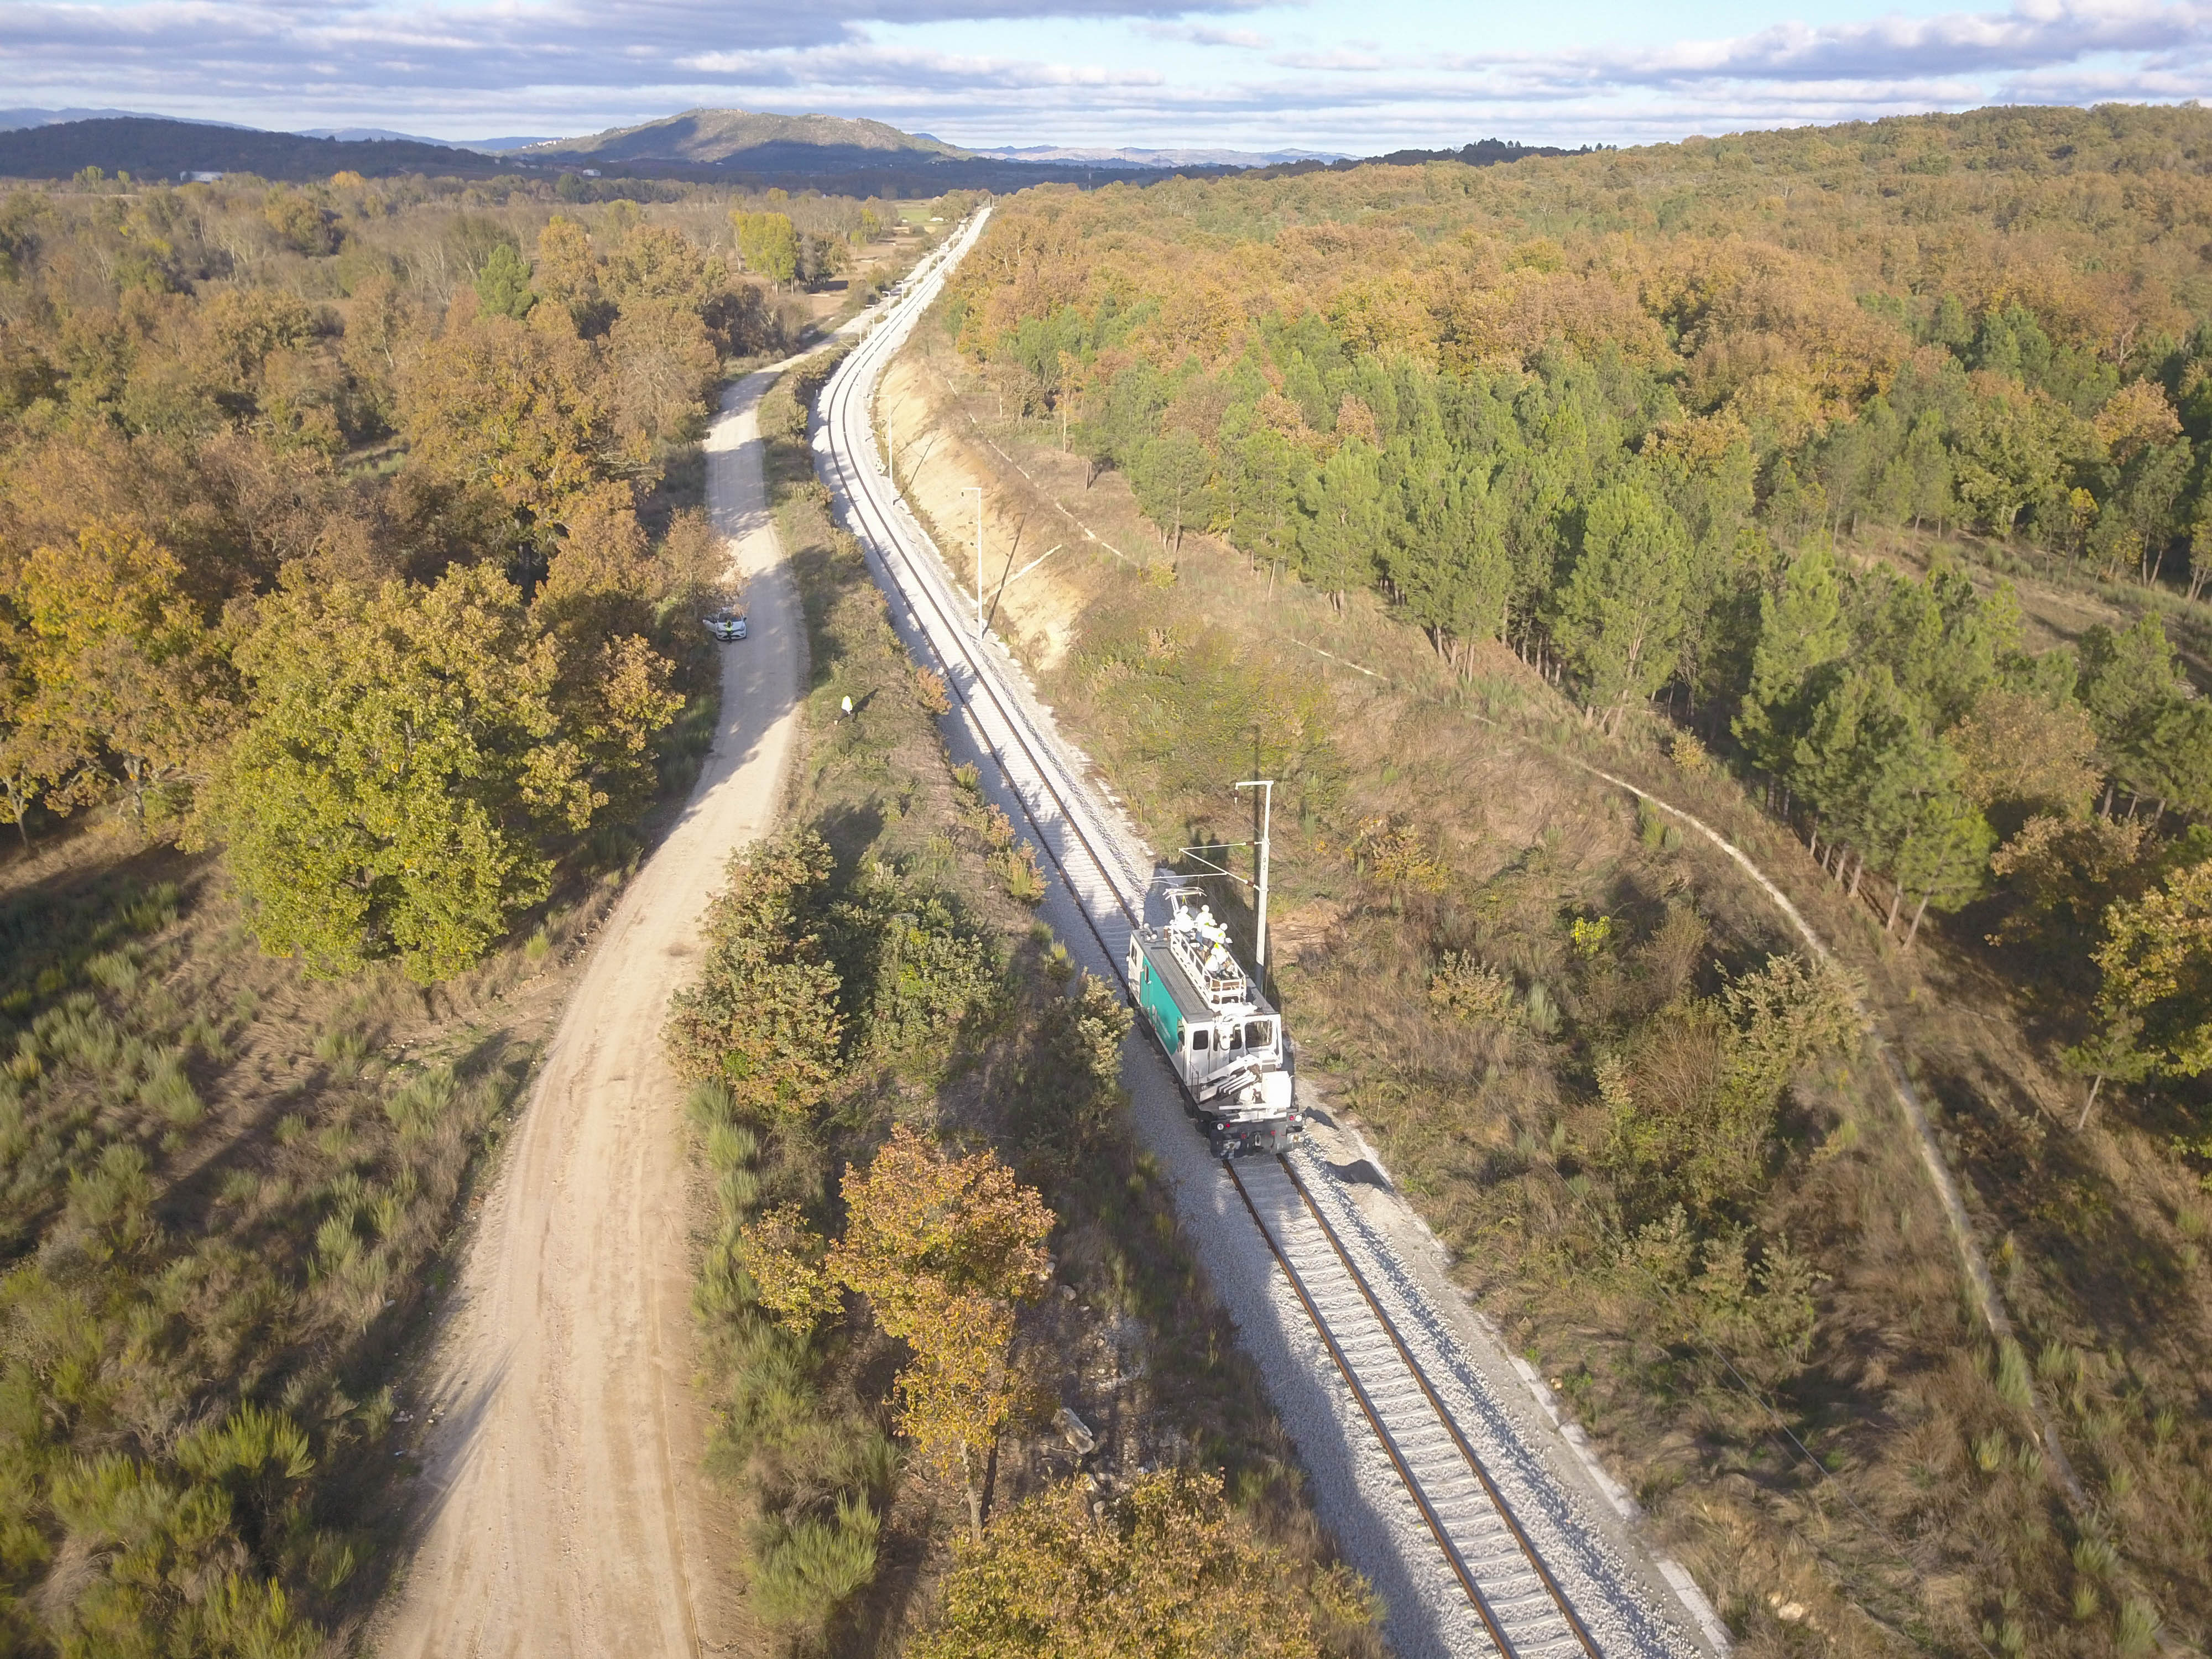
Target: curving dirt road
569,1514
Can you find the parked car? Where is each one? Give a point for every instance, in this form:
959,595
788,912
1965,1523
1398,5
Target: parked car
726,625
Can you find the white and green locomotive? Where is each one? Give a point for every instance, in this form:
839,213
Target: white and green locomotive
1219,1034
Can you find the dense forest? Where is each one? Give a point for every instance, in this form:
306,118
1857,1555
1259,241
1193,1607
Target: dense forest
346,543
280,460
1636,414
1848,487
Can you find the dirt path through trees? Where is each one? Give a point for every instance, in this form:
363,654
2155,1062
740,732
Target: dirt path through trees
569,1514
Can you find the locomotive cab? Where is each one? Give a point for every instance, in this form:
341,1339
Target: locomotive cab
1220,1035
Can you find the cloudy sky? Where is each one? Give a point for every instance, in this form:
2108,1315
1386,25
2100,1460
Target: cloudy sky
1354,75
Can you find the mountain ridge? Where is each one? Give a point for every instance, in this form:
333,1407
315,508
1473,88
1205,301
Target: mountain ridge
1142,156
715,137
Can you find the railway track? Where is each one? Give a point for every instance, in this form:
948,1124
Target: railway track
1541,1583
1522,1607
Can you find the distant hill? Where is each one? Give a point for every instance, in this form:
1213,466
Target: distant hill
1483,153
489,146
829,153
737,137
12,119
1129,156
147,147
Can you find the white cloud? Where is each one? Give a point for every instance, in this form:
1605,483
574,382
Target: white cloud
568,65
1199,34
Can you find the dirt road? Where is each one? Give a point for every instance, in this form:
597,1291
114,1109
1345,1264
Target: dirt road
568,1516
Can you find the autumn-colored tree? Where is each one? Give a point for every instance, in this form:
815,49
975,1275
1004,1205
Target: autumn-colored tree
401,767
612,704
566,273
2156,997
127,690
382,321
944,1249
654,265
692,565
301,222
2065,872
1170,1570
2031,755
32,754
784,1256
664,365
602,561
513,410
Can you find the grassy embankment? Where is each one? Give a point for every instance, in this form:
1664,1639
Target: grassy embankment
1790,1373
962,1019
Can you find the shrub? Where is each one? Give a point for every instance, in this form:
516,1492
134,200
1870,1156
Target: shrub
1463,989
169,1092
1024,877
418,1106
1395,852
803,1570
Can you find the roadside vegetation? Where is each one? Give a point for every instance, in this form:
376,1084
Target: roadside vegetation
968,1376
1785,475
349,569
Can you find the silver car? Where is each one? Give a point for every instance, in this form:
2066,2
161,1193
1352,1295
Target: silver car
726,625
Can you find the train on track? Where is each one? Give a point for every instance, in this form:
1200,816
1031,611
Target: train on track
1222,1038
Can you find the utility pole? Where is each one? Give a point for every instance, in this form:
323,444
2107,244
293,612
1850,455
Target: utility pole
891,446
976,491
1266,787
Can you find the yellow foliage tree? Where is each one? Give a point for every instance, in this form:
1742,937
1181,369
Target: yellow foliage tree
519,411
2155,1003
126,689
1171,1571
2017,749
944,1249
664,365
566,272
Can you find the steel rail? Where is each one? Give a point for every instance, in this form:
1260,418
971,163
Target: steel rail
840,393
1382,1435
882,543
1452,1426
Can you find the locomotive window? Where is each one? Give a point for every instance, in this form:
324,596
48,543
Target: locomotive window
1232,1038
1201,1039
1257,1034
